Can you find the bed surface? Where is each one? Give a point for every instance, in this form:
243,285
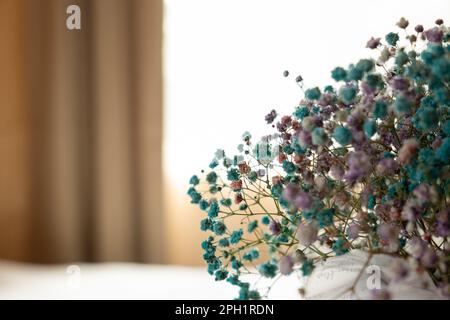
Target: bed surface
120,281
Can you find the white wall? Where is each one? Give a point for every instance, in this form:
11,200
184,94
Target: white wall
224,61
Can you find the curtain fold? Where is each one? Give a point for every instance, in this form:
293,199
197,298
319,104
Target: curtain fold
94,101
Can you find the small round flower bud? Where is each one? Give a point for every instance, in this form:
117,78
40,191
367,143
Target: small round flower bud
299,79
302,292
412,38
419,28
439,22
285,73
373,43
402,23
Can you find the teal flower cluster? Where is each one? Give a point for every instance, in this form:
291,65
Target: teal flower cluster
363,164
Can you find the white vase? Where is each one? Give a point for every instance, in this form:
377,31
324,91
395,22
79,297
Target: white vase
334,278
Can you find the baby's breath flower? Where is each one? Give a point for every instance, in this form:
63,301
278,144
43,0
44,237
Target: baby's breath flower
307,234
236,236
268,269
285,265
339,74
373,43
392,38
211,177
342,135
312,94
194,180
361,165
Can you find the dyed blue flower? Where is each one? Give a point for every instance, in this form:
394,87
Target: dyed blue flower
233,174
436,49
282,238
340,247
203,204
339,74
224,242
246,136
236,264
428,101
213,189
446,127
210,250
251,255
380,109
297,147
207,242
374,80
268,269
370,128
252,226
347,94
371,202
213,266
265,220
214,163
213,209
392,38
426,118
402,105
307,267
252,176
329,89
319,137
442,96
254,295
195,196
194,180
289,167
219,228
226,202
312,94
234,280
365,65
401,58
325,217
243,293
354,74
443,152
277,190
206,224
211,177
440,67
301,112
236,236
288,149
342,135
221,274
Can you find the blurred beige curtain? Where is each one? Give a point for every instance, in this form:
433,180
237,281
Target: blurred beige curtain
83,157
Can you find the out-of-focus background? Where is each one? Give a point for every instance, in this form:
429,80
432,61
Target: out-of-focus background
101,128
